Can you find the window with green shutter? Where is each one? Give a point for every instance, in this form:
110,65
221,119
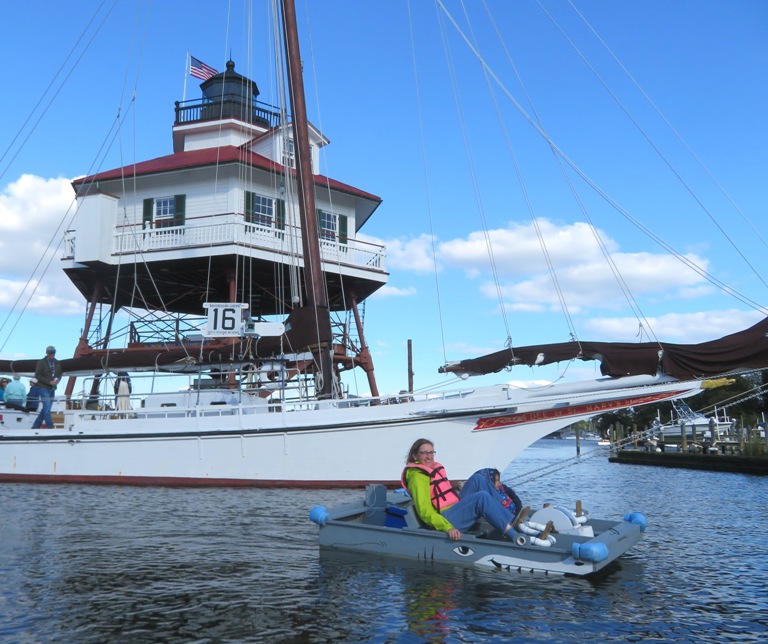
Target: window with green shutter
343,236
164,212
259,209
179,209
327,224
149,212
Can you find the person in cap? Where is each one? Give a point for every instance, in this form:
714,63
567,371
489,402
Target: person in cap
48,374
33,397
16,394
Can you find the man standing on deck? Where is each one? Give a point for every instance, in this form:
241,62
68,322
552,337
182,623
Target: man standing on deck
48,374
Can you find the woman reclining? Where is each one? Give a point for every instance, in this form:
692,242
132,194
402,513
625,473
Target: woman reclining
440,507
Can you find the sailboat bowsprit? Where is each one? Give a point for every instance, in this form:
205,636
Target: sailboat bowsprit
239,222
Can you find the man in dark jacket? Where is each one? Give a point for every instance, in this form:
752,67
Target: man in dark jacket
48,374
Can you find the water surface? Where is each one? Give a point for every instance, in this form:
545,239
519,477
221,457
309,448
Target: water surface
121,564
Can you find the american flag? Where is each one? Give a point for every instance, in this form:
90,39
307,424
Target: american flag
199,69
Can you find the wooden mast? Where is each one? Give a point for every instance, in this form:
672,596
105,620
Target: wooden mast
313,270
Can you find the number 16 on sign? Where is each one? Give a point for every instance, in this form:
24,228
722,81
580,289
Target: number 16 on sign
224,320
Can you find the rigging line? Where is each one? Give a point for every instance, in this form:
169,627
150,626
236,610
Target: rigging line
277,176
551,468
52,254
624,213
666,246
526,195
473,173
74,199
117,122
52,81
623,286
324,159
740,397
296,296
122,173
671,127
425,170
655,147
289,179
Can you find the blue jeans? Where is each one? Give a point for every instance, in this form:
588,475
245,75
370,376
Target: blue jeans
46,397
480,481
472,507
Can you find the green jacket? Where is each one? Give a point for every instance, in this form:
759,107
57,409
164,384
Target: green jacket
417,482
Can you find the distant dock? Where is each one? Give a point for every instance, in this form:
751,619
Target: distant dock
757,465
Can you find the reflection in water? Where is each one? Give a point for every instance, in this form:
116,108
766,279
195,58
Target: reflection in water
95,564
429,607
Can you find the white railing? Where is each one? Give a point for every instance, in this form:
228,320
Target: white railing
232,229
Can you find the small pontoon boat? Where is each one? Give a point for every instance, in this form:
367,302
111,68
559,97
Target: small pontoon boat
552,540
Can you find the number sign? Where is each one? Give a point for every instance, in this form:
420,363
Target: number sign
224,320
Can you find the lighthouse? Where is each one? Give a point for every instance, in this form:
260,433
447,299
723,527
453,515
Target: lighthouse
216,221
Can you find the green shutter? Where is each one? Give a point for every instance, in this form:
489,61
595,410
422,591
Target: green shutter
249,199
179,209
343,238
149,211
280,214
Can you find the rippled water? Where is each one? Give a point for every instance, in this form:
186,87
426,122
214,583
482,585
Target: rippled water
111,564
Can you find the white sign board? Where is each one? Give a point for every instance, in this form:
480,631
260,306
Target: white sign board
263,329
224,320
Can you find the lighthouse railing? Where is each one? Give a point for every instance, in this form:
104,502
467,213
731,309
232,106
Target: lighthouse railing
232,229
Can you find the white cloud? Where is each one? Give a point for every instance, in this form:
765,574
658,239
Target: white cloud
517,249
583,273
591,283
685,328
34,214
394,291
407,254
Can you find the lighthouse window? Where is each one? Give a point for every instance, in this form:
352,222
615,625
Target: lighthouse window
259,209
289,155
164,211
328,225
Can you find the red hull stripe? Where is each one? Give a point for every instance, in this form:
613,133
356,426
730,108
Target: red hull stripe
169,481
496,422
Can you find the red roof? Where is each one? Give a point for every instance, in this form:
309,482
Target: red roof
209,157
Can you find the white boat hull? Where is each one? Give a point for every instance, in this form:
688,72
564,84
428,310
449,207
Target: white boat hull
323,444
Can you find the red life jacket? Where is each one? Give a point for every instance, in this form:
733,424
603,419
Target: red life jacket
440,488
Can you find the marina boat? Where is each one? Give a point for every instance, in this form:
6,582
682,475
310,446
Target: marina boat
575,544
696,426
240,268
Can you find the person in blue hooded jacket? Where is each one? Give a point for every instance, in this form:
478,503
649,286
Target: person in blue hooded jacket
489,480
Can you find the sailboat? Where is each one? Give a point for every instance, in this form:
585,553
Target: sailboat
233,256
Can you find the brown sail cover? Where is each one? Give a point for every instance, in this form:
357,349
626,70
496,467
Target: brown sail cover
301,334
746,349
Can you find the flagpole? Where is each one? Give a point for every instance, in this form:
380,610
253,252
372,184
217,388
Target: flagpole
186,73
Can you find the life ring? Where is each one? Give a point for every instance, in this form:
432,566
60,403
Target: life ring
273,376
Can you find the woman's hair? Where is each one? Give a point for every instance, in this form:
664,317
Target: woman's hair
412,453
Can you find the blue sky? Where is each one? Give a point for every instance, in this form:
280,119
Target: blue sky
625,90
